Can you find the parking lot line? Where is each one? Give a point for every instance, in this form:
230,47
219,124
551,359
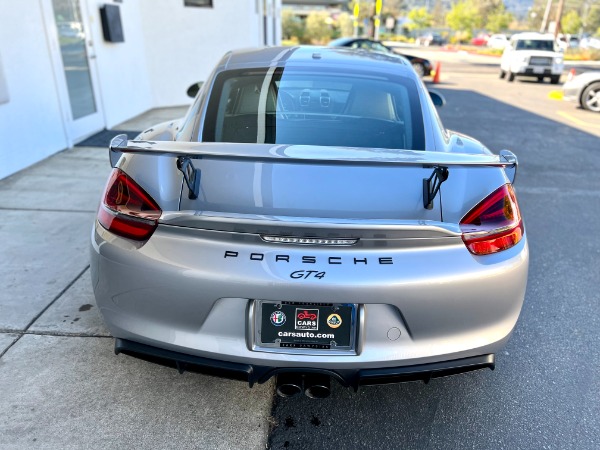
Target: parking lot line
576,120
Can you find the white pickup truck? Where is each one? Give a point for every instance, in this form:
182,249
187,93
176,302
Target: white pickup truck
532,55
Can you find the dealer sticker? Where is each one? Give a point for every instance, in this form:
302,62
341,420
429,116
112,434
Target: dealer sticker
307,319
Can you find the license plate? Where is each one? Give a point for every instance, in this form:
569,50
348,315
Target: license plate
291,325
538,70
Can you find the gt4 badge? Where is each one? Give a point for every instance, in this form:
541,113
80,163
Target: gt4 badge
304,274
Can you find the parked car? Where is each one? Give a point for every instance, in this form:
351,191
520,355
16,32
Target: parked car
422,66
590,42
532,55
428,39
480,39
309,219
574,42
497,41
584,89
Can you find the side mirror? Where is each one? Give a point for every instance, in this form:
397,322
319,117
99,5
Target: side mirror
437,98
194,88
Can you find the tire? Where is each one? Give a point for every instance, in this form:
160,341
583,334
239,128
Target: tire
510,77
540,79
502,74
554,79
419,68
590,99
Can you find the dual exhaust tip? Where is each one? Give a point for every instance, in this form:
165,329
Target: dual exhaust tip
314,385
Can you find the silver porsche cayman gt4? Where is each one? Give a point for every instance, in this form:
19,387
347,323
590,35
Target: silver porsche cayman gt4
310,218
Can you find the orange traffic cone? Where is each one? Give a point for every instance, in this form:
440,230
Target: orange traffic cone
571,74
438,70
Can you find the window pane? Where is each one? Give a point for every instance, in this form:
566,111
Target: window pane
304,107
205,3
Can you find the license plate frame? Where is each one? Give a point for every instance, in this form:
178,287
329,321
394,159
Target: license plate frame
339,320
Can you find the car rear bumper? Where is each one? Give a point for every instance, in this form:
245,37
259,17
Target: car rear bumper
260,374
537,71
435,303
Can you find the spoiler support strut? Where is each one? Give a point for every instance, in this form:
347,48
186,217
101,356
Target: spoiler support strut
431,185
191,175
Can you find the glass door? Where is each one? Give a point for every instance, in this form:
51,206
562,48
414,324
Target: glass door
75,69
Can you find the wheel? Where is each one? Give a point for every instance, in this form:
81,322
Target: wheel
419,68
540,79
502,74
590,99
554,79
511,77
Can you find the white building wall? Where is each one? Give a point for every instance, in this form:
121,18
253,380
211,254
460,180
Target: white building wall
31,122
122,69
183,44
167,48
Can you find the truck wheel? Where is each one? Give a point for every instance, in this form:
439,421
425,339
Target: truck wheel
511,77
502,74
554,79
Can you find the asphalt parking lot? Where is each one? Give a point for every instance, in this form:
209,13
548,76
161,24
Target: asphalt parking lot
62,387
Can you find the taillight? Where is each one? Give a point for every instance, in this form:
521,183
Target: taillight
126,209
494,224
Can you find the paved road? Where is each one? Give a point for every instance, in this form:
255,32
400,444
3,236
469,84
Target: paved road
545,391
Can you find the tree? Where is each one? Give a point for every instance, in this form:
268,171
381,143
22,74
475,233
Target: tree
420,19
392,8
463,16
291,25
439,14
499,20
318,28
571,23
592,22
345,24
486,8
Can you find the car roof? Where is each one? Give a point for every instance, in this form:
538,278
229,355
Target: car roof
532,35
313,55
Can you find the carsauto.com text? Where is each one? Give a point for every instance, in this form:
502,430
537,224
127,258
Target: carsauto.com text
305,334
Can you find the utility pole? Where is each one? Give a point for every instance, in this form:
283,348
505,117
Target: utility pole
356,14
557,29
377,20
546,15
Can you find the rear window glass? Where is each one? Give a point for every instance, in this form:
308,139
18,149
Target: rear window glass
306,107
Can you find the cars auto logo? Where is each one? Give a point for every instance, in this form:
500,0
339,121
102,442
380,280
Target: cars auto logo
277,318
334,321
307,319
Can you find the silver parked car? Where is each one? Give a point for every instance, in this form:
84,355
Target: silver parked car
584,89
309,219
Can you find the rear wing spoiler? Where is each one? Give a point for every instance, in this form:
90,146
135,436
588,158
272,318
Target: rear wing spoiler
186,152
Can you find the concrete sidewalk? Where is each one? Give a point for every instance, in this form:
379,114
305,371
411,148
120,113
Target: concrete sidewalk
61,386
